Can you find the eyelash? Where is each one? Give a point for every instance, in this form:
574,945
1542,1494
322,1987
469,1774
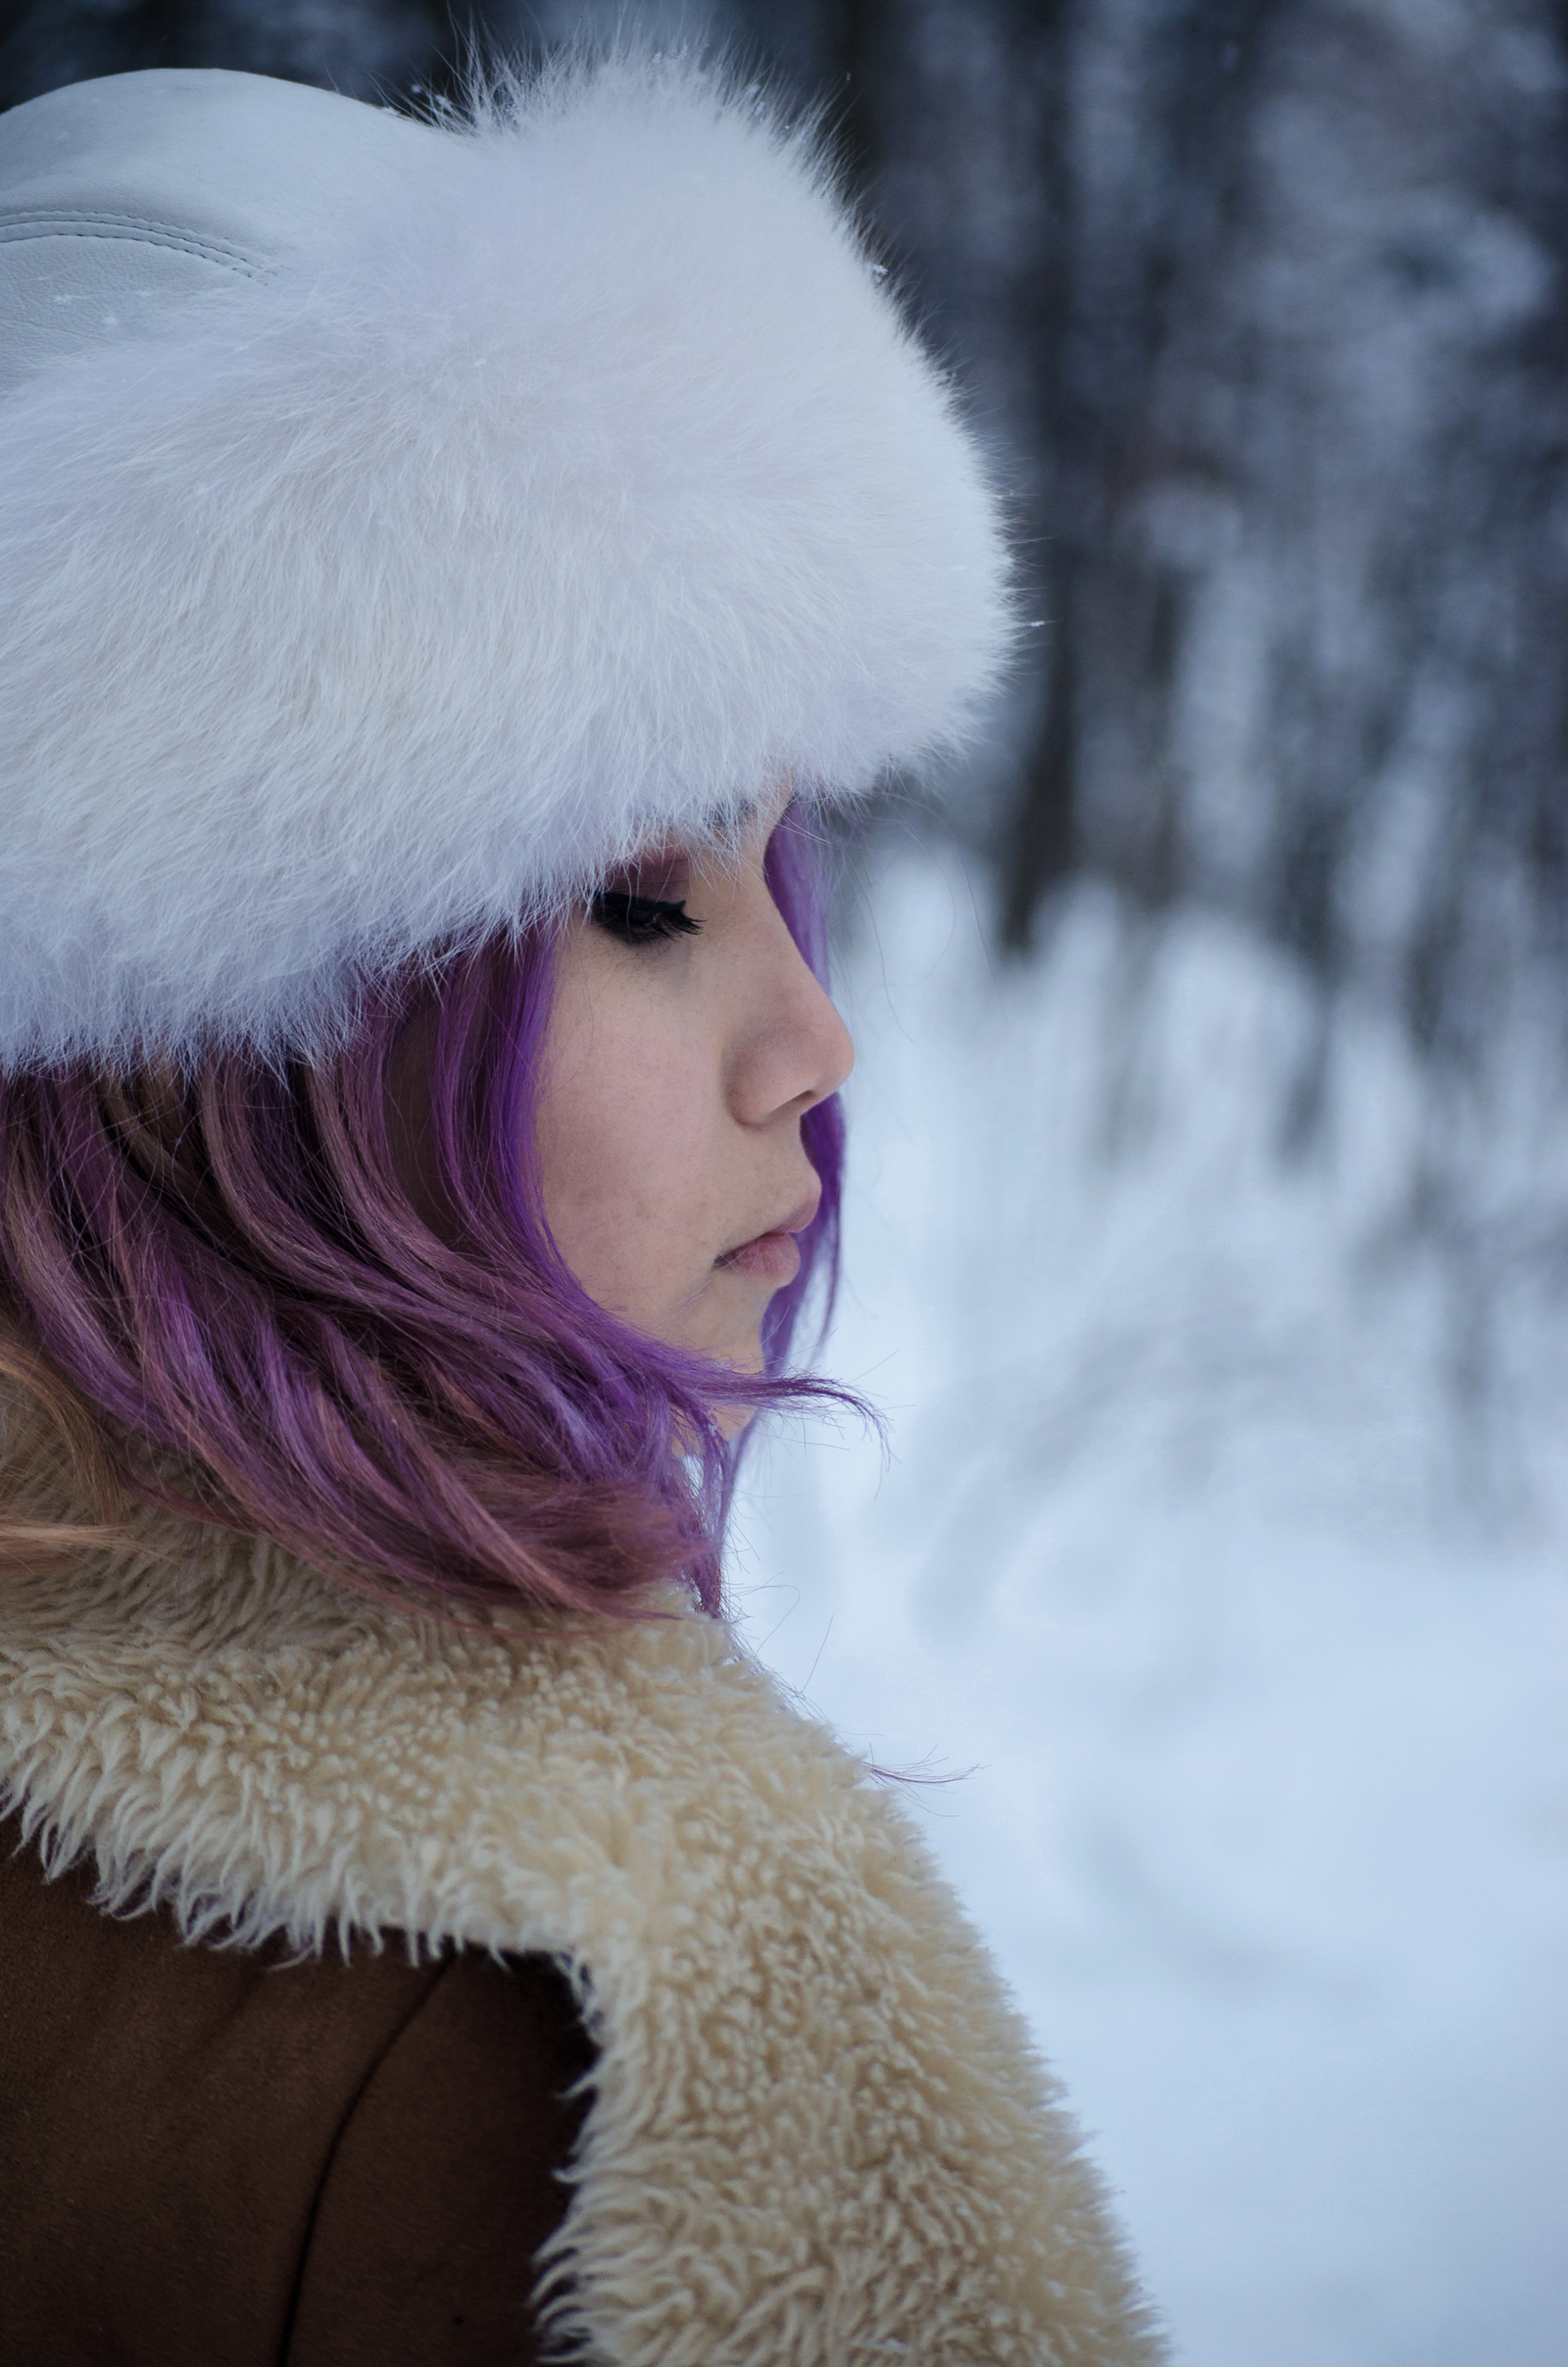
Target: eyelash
641,919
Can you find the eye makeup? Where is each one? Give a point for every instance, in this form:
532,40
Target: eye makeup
644,903
641,919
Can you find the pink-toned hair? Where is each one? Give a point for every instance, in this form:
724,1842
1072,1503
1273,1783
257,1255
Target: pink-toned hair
222,1290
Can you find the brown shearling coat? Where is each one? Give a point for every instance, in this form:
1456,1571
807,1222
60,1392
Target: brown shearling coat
815,2130
216,2157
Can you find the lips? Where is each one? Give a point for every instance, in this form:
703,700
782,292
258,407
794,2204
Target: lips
775,1256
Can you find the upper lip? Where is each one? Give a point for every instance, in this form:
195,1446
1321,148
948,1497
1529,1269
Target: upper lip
798,1217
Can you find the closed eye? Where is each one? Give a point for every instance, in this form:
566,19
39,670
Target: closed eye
641,919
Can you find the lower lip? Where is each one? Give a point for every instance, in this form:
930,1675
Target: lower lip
773,1257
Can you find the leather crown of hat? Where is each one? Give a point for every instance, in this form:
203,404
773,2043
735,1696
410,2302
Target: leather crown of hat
399,521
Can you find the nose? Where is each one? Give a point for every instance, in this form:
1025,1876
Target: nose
790,1048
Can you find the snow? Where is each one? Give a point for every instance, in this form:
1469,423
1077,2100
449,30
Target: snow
1218,1577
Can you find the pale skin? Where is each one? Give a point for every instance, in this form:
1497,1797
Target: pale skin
678,1069
677,1076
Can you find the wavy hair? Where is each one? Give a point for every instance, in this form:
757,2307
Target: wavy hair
218,1286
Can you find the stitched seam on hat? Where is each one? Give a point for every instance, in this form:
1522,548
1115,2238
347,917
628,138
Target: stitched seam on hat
46,225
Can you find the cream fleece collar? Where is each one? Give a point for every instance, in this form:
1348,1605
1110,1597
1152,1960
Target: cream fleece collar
819,2136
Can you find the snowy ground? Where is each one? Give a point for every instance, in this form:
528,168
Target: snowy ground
1243,1630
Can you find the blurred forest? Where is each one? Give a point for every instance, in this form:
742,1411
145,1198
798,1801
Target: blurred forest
1260,303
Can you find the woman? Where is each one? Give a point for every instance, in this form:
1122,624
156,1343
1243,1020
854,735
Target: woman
446,566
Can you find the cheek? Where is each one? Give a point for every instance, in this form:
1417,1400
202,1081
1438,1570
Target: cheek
626,1128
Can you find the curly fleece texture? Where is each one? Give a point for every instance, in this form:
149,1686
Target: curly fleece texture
571,480
818,2136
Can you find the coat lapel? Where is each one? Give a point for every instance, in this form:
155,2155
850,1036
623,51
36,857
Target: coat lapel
819,2135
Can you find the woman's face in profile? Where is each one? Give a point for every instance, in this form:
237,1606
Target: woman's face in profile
687,1041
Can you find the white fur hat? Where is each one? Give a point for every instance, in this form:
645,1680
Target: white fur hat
400,522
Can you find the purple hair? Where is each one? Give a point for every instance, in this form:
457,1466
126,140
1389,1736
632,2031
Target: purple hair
223,1273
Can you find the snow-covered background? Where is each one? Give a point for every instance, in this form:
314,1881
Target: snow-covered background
1211,1260
1229,1590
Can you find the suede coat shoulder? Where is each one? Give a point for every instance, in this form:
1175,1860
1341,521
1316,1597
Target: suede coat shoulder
815,2131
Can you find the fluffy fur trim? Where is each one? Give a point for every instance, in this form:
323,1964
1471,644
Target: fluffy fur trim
569,480
819,2135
